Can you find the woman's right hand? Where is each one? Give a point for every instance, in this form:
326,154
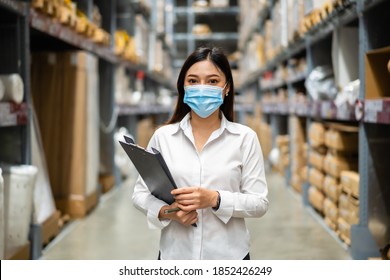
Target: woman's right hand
183,217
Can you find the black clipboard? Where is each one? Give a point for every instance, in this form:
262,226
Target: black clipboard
152,168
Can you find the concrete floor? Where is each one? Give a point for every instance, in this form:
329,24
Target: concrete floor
115,230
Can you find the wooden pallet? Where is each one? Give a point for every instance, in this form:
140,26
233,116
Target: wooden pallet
107,182
51,228
22,254
77,208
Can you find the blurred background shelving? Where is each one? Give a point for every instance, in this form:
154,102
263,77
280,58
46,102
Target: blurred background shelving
311,79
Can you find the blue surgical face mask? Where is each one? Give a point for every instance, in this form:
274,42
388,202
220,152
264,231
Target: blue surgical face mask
203,99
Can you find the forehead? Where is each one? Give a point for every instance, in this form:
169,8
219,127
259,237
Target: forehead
204,68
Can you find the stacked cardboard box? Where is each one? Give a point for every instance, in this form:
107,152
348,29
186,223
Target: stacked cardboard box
297,127
262,129
65,96
342,179
316,175
348,204
145,130
265,138
282,144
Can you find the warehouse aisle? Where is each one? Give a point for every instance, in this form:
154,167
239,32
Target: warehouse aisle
116,230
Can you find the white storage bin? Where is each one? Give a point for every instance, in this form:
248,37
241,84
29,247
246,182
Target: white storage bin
19,182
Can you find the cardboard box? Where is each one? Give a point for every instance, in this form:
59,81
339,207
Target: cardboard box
331,210
316,178
316,198
332,188
349,208
282,140
316,134
350,182
297,162
344,230
333,165
296,182
297,130
265,139
377,75
145,130
316,159
342,140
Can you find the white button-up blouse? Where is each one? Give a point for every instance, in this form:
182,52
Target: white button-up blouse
231,162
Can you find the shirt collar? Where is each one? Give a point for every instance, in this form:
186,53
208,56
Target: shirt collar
225,124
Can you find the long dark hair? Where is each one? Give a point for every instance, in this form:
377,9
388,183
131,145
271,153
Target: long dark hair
219,59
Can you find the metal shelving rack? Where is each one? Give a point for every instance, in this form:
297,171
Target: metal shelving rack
370,115
14,127
187,15
19,26
223,23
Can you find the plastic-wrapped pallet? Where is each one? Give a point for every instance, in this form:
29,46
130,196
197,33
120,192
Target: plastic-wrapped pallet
92,123
19,182
2,249
44,205
69,131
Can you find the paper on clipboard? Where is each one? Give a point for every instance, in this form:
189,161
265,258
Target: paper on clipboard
152,168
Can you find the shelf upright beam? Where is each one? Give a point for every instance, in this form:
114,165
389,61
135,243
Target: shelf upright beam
152,35
362,241
24,69
107,90
190,26
125,17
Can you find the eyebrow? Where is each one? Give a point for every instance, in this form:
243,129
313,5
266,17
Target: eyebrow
208,76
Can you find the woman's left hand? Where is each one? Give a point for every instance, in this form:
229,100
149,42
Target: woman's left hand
194,198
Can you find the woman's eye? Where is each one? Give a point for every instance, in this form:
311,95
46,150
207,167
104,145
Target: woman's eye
213,82
192,81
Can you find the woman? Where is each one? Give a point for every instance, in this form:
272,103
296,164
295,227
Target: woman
217,165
